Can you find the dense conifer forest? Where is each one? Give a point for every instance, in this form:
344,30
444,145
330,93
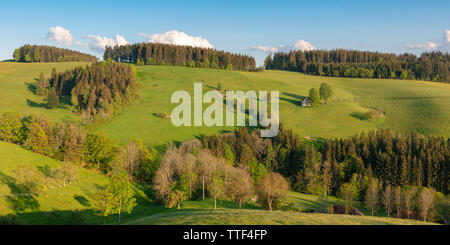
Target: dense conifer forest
102,87
391,158
165,54
36,53
433,66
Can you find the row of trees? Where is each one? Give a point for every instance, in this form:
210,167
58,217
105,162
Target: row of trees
191,172
33,181
408,202
166,54
324,93
35,53
100,88
70,143
391,158
344,168
433,66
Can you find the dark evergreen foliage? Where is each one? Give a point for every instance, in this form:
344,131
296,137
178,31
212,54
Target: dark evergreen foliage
99,87
393,159
433,66
165,54
35,53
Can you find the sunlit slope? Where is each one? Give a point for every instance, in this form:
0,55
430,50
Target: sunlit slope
261,217
409,105
18,89
75,196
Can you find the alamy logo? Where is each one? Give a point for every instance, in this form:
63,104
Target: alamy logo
236,102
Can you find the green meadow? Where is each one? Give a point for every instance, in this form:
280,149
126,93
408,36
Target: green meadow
408,105
18,83
261,217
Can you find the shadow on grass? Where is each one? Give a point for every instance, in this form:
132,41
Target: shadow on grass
32,87
359,115
36,105
19,200
82,200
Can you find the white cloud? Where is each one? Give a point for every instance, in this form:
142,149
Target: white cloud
303,45
298,45
424,46
59,35
443,45
266,49
178,38
98,43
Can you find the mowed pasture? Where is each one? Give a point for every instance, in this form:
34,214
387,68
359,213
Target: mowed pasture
408,105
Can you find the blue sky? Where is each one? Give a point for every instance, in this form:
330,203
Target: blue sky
236,26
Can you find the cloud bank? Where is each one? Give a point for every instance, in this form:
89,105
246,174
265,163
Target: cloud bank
59,35
178,38
298,45
98,43
443,45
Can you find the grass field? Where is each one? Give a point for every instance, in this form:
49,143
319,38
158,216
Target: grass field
409,105
76,196
18,89
261,217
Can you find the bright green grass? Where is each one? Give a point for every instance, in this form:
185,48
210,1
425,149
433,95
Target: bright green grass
76,196
261,217
409,105
17,89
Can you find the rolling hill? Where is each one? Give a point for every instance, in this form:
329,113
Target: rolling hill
409,105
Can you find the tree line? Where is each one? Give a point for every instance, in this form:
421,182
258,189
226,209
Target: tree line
390,157
166,54
36,53
100,88
190,172
430,66
71,143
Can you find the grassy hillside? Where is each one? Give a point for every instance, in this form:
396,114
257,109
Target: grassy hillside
76,196
18,89
409,105
261,217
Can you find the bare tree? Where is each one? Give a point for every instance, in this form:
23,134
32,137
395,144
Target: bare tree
189,161
372,198
409,200
397,200
164,178
387,199
326,177
216,187
190,146
271,188
204,168
130,157
426,201
67,173
240,186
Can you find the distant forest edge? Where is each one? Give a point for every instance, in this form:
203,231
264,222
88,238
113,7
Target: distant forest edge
36,53
433,66
165,54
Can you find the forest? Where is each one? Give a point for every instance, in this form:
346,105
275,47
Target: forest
432,66
99,88
165,54
391,158
36,53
